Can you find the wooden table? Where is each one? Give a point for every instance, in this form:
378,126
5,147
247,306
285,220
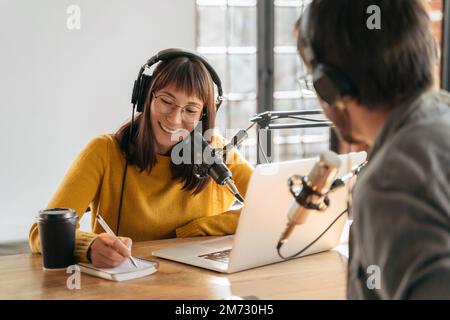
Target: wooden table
319,276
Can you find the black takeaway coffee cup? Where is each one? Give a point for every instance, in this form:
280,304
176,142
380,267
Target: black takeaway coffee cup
57,233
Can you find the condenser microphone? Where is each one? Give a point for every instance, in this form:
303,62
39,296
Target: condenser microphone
208,162
311,196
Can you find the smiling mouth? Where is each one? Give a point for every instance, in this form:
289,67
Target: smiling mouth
167,130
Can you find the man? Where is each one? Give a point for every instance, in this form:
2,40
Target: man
375,83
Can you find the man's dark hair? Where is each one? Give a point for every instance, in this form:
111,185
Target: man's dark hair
386,65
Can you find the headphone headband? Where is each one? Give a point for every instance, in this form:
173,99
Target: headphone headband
142,83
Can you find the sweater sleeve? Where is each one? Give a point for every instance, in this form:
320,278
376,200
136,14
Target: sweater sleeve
225,223
77,190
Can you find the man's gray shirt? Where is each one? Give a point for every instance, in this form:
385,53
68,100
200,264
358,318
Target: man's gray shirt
401,207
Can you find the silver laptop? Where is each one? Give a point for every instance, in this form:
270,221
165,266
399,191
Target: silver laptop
263,219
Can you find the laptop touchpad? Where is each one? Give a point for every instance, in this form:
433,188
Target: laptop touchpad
226,243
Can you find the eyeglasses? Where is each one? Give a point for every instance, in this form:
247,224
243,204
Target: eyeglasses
306,86
164,104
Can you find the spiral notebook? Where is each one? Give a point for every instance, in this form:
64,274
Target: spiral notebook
123,272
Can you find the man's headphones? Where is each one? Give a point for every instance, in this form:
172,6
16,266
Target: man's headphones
329,82
143,82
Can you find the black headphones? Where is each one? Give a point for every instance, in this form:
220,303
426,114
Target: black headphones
330,83
143,84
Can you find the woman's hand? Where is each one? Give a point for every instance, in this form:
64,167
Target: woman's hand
107,252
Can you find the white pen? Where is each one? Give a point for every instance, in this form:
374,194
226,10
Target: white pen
110,232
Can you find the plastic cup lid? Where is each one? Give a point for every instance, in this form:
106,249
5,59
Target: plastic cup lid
57,214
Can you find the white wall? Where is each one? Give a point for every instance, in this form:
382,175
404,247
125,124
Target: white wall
60,87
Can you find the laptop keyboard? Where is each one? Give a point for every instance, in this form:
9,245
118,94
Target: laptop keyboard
221,256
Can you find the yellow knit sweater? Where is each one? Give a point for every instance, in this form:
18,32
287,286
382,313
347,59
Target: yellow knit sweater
154,206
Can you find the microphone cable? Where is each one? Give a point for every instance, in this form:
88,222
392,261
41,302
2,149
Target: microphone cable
119,216
312,242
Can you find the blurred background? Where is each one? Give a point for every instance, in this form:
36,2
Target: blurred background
67,70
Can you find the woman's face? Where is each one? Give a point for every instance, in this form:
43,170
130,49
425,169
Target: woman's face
174,114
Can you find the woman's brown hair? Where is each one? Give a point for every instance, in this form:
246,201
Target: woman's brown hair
188,75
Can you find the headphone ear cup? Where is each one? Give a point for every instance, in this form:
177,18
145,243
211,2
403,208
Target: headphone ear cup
324,85
135,94
142,90
330,84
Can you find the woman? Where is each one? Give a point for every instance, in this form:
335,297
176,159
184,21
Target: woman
162,199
